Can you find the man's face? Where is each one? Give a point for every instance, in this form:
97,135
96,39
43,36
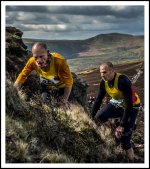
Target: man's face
106,73
40,55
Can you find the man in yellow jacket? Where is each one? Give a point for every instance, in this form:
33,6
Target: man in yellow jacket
124,104
53,70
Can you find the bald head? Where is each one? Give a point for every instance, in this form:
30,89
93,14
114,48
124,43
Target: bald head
109,65
107,71
39,45
39,51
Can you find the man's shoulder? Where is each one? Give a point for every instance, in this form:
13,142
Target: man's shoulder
102,82
57,56
122,76
31,60
123,79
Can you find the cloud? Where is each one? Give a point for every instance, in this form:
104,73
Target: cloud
47,28
83,19
119,10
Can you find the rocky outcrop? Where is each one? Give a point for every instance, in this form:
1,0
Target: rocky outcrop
16,52
79,90
14,43
16,57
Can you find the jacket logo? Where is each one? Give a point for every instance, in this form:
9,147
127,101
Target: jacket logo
51,81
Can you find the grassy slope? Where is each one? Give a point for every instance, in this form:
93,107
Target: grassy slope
37,133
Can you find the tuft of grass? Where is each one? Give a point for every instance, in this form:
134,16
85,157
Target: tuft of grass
55,157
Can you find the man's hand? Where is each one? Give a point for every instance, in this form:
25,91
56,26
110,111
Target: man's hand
64,99
118,132
64,103
17,85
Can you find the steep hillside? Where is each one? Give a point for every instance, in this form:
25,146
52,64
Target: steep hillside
37,133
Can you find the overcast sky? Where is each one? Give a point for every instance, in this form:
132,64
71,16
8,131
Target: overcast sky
75,22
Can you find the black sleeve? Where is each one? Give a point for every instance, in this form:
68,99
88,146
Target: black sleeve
124,85
99,98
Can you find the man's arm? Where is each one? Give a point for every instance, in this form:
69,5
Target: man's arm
66,95
99,98
67,78
66,74
22,77
125,87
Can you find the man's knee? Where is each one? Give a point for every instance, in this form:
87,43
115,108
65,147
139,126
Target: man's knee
100,117
44,97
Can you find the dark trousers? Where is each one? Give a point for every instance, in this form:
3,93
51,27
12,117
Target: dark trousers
110,111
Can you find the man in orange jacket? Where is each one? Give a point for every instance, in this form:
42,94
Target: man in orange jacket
124,104
53,70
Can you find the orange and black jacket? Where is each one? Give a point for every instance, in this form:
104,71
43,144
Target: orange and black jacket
56,74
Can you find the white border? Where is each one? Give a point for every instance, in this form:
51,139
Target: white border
146,86
68,3
146,82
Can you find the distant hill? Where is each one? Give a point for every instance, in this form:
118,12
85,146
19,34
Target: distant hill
104,45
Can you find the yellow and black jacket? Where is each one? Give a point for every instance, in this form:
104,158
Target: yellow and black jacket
115,93
119,88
